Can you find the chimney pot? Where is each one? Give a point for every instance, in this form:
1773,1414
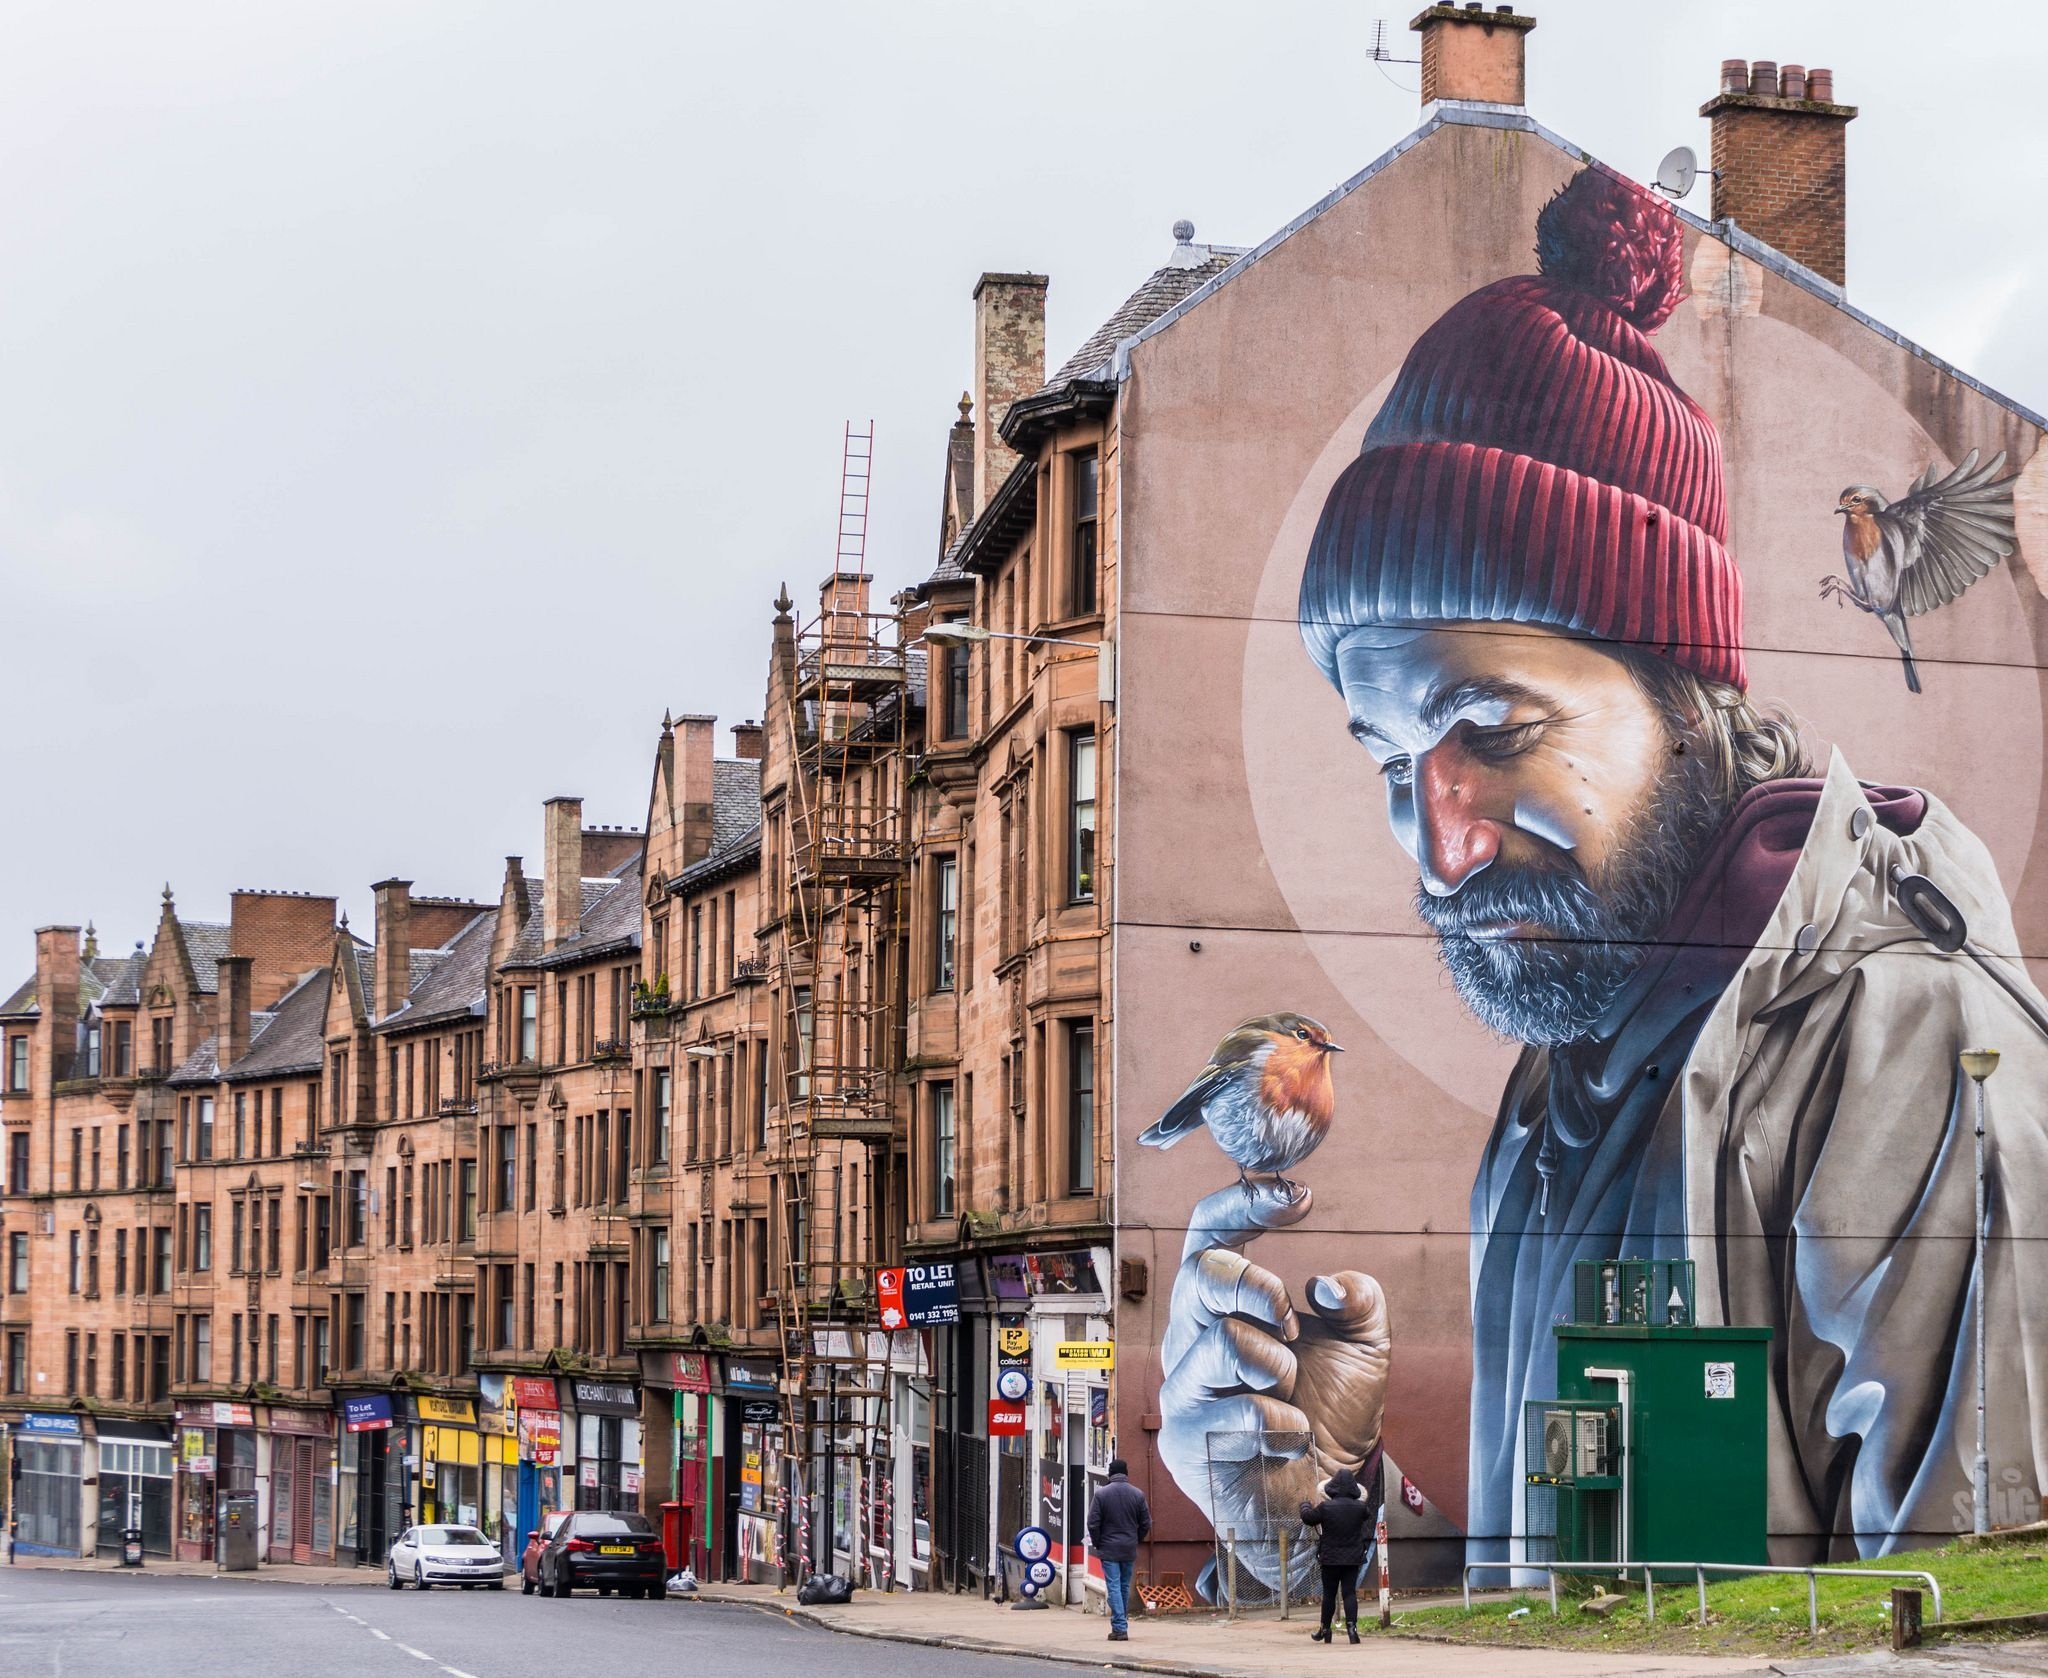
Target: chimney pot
1734,75
1763,76
1792,81
1820,86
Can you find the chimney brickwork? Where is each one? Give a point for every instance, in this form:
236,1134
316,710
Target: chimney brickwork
695,737
285,935
1473,53
1779,156
392,962
562,870
232,1009
1009,364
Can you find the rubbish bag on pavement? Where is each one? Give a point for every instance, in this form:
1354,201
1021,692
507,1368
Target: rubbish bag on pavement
822,1590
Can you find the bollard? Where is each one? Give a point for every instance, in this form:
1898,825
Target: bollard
1549,1573
1386,1594
1286,1579
1700,1573
1649,1597
1906,1609
1813,1603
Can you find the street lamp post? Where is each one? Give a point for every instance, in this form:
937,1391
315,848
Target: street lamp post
1979,1064
958,632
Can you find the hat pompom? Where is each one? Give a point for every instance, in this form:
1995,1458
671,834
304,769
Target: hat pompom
1608,238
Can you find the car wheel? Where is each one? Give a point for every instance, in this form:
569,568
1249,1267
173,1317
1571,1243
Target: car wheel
391,1573
658,1590
419,1576
525,1585
563,1587
495,1585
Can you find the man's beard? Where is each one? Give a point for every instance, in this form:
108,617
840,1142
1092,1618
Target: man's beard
1551,984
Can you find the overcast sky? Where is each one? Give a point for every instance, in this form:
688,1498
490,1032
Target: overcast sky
401,403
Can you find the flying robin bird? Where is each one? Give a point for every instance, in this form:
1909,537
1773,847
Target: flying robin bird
1265,1096
1909,556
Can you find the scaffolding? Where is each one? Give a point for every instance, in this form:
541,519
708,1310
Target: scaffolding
848,858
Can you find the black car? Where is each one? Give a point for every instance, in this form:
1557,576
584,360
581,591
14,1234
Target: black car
612,1550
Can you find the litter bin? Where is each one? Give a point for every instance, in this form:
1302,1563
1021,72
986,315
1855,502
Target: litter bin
678,1523
131,1546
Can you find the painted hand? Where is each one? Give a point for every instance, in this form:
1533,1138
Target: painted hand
1260,1402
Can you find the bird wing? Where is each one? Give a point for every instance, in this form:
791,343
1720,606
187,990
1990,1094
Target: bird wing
1187,1114
1950,531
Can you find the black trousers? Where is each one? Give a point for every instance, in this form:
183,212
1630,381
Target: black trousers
1340,1578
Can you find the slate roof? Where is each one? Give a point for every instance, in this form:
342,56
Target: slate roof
611,915
292,1036
123,976
200,1066
735,821
1167,286
526,943
101,979
205,943
453,981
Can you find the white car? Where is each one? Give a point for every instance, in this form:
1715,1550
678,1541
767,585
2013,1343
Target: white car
443,1555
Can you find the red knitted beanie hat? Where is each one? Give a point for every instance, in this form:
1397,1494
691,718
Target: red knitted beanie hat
1534,462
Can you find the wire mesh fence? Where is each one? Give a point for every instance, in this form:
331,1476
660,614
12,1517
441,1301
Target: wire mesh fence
1257,1481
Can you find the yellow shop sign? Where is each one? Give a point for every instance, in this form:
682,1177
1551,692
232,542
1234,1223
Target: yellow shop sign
447,1410
1085,1354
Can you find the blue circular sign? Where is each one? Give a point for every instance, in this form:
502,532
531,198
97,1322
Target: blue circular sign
1039,1573
1033,1544
1014,1384
1027,1589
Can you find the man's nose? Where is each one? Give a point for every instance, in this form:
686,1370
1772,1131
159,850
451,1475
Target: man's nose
1453,841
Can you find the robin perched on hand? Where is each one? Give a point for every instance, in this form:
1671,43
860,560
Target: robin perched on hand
1265,1095
1909,556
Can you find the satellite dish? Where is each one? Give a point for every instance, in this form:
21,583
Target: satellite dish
1677,172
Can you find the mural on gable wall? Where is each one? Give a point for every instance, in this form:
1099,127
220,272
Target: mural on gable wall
1736,975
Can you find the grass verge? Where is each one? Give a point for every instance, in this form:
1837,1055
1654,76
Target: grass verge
1760,1614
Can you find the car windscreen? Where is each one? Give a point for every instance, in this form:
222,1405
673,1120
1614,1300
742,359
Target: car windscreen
460,1537
591,1525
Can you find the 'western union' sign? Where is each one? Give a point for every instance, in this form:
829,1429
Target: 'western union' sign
1085,1354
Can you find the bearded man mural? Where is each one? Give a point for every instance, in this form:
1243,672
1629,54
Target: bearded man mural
1741,976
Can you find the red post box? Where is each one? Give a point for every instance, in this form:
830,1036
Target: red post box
678,1524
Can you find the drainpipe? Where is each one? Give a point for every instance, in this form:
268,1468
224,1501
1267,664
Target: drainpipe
1620,1377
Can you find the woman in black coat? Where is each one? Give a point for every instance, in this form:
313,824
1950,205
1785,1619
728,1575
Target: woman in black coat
1342,1520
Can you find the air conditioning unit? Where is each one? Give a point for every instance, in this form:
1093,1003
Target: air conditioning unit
1574,1443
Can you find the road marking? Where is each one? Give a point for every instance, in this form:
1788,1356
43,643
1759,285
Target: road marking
457,1672
417,1654
381,1636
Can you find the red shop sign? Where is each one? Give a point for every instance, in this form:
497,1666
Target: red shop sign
535,1392
1007,1420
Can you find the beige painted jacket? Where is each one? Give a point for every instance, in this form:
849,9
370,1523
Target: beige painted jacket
1830,1183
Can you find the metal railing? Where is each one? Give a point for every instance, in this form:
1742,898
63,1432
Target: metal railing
1699,1571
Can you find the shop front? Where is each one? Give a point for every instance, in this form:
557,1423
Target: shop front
216,1456
756,1513
374,1449
607,1433
497,1429
303,1483
461,1468
1046,1305
136,1476
537,1406
49,1483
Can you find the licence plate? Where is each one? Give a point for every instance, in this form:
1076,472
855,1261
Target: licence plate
615,1549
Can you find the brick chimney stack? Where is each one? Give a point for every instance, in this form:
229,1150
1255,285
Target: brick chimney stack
562,867
1009,363
231,1005
58,965
1779,159
747,740
695,737
392,962
1473,52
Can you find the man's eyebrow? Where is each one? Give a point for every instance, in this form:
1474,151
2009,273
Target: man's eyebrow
1446,702
1364,732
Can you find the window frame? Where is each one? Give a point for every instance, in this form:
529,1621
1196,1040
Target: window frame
1082,833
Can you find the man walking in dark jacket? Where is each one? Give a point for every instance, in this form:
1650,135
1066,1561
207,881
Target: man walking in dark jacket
1118,1521
1342,1519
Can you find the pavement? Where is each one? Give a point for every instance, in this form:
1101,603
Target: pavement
55,1612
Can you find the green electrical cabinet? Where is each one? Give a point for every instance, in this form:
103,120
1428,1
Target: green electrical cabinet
1677,1472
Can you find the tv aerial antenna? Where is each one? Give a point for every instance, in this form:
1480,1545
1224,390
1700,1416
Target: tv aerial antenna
1679,170
1379,53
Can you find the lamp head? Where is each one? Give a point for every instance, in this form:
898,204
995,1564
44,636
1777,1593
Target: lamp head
1979,1064
955,632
